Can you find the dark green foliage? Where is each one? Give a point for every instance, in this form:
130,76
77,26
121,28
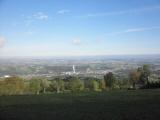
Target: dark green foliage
151,85
124,83
109,80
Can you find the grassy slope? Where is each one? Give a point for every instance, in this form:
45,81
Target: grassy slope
114,105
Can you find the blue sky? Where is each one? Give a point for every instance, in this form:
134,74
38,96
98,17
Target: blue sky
79,27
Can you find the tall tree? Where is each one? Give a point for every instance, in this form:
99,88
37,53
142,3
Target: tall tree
109,80
146,73
35,85
44,84
102,85
76,85
135,77
141,75
57,85
95,86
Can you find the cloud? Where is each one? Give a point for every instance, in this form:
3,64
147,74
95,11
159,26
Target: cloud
40,16
132,11
34,17
63,11
2,41
77,42
133,30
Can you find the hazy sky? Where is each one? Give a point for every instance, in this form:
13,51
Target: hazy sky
79,27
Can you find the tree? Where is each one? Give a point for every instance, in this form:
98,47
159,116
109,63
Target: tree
124,83
76,85
95,86
2,87
35,85
109,80
13,85
102,85
140,76
44,84
145,74
135,77
58,85
153,78
146,69
61,85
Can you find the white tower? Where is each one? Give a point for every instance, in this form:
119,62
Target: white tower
74,71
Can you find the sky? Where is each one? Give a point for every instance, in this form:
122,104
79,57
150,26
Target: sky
79,27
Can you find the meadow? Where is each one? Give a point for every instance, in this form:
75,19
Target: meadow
108,105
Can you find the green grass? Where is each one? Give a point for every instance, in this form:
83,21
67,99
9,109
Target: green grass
113,105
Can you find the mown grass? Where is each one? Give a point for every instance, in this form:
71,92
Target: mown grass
113,105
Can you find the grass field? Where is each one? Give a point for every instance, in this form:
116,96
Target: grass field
114,105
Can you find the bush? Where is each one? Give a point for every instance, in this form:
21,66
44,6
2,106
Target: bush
152,85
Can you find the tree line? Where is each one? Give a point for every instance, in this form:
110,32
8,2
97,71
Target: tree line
138,78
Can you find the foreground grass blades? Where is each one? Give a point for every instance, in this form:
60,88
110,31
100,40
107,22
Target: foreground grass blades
112,105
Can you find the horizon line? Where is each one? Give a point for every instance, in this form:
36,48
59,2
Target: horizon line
79,55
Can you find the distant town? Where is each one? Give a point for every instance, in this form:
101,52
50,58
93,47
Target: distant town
92,66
